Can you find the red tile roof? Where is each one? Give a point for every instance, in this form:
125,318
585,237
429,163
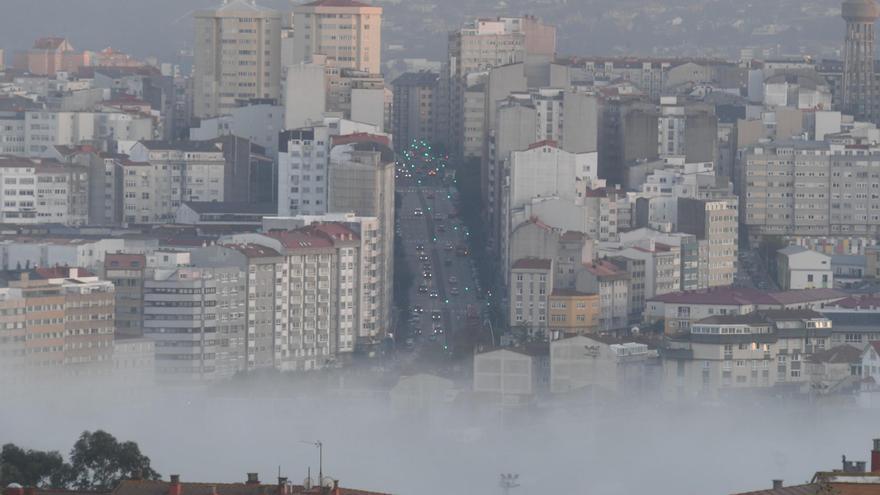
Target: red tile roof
876,345
360,137
337,3
124,260
61,272
540,144
605,269
866,301
810,489
532,264
743,296
254,250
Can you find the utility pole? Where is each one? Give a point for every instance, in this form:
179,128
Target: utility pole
508,482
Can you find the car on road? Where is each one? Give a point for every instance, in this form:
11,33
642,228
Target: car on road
439,217
418,212
438,330
434,294
423,289
453,291
453,280
424,257
435,315
417,310
449,246
462,251
427,274
420,247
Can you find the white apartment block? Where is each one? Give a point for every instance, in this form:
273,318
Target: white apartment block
45,129
374,303
237,56
195,316
303,167
161,175
530,288
34,191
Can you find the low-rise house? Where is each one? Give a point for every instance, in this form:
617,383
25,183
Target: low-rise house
848,265
678,310
511,376
720,355
835,370
596,362
422,392
801,268
870,362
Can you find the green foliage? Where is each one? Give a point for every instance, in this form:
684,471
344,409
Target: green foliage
31,467
97,462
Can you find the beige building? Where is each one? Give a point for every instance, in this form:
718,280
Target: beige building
237,56
807,189
573,312
612,283
361,181
347,32
715,224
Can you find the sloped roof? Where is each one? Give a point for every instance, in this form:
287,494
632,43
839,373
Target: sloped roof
840,354
337,3
532,264
808,489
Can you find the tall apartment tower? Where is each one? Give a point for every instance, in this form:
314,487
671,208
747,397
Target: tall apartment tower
237,56
859,94
347,32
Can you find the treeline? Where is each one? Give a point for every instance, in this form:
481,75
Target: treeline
97,461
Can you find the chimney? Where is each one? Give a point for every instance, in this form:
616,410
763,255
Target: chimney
336,490
253,479
282,485
777,484
875,456
174,486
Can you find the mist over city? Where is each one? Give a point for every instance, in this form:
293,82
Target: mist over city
374,247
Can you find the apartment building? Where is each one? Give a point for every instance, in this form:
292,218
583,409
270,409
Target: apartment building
57,322
362,174
725,354
127,273
531,286
162,175
36,191
195,316
678,310
415,101
266,339
688,248
573,312
612,283
347,32
480,45
715,224
373,302
808,189
237,56
303,169
47,128
687,129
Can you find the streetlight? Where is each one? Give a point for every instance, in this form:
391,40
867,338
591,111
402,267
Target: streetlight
508,482
320,459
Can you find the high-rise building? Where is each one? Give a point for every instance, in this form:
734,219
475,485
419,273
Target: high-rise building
237,56
859,90
361,181
303,159
415,102
347,32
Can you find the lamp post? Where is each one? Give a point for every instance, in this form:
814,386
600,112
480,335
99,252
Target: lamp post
508,482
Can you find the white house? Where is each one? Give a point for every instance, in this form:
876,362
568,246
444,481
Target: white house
509,376
801,268
871,362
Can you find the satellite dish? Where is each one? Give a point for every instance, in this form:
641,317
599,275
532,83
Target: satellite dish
635,330
327,482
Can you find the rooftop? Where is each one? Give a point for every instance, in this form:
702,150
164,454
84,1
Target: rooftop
230,207
532,264
337,3
731,296
839,354
194,146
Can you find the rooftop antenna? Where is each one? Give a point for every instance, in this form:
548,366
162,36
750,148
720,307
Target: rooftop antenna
508,482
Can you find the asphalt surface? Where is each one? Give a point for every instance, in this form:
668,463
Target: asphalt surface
433,198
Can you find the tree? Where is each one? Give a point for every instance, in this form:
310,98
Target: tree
98,462
31,467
